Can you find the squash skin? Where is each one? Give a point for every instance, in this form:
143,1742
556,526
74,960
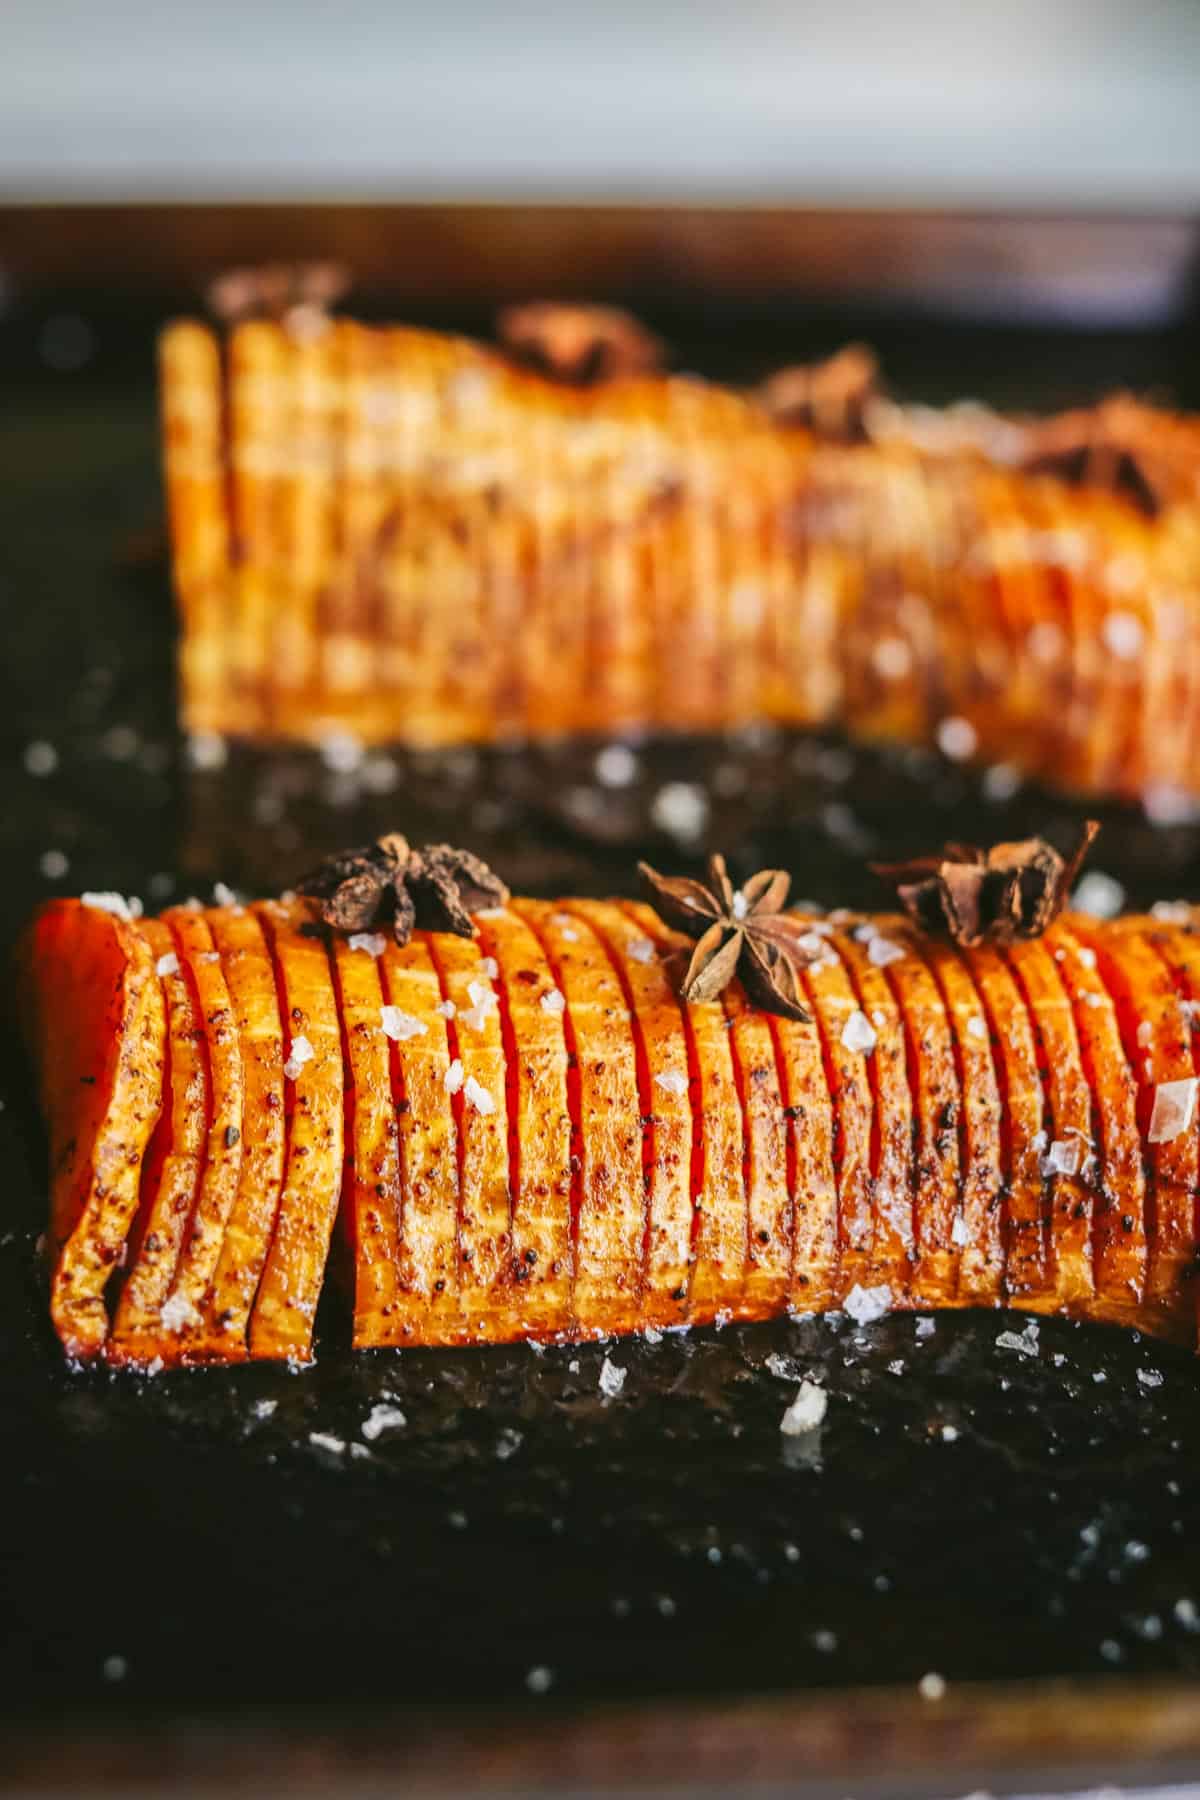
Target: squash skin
789,1134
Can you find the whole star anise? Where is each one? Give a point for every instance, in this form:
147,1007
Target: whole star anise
738,931
578,344
1120,446
435,888
277,291
1010,891
830,398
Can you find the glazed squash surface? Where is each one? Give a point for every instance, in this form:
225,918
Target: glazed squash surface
528,1135
406,537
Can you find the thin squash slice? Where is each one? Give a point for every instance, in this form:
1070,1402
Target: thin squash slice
664,1081
372,1188
866,950
284,1315
223,1153
94,1016
933,1081
1069,1118
170,1180
478,1085
611,1213
1119,1244
1158,1049
539,1119
427,1307
253,991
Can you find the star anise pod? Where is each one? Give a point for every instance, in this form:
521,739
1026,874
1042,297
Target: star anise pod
1120,446
277,291
830,398
742,931
436,888
578,344
1010,891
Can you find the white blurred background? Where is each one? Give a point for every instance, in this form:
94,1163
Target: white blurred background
1091,103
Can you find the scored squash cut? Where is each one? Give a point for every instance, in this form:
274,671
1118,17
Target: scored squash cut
168,1189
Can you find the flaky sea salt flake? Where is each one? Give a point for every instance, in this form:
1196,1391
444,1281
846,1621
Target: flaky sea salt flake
1174,1109
299,1053
382,1418
858,1033
612,1378
373,942
806,1411
866,1304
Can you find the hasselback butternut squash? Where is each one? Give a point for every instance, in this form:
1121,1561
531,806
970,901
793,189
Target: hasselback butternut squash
530,1134
405,536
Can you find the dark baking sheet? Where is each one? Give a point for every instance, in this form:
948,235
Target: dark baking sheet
181,1558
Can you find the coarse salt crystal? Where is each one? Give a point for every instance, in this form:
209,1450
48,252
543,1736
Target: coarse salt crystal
299,1053
858,1033
641,950
565,928
1150,1378
960,1232
680,809
382,1418
167,965
926,1327
478,1096
540,1680
932,1686
552,1001
262,1409
490,967
1062,1158
224,896
1165,803
1001,781
116,904
806,1411
957,739
1123,634
1025,1343
178,1312
40,758
672,1082
1087,956
616,766
453,1078
881,951
891,659
446,1009
1174,1109
325,1440
1098,895
1173,912
373,942
400,1025
1145,1032
483,1003
866,1304
612,1379
977,1026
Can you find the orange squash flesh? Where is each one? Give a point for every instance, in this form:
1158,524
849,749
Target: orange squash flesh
539,1119
610,1226
372,1151
168,1191
253,992
223,1153
284,1315
892,1244
719,1243
979,1227
1069,1116
1158,1048
480,1107
1023,1102
663,1081
577,1158
833,1002
94,1017
427,1308
933,1081
1119,1241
